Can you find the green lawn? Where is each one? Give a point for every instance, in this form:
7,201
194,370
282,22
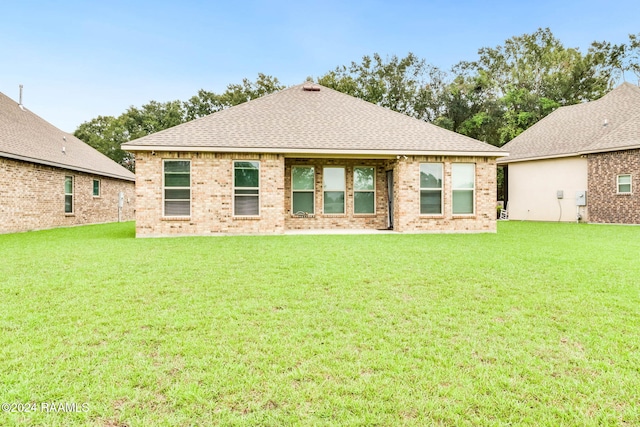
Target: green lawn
538,324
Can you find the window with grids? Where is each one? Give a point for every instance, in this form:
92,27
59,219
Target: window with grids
246,188
303,189
431,188
68,194
177,188
333,185
463,181
624,184
364,190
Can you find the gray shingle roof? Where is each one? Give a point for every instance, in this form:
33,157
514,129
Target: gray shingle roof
323,120
607,124
25,136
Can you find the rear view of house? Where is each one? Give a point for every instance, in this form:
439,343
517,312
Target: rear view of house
311,158
50,178
581,162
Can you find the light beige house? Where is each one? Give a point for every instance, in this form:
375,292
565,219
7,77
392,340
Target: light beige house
49,178
581,162
312,158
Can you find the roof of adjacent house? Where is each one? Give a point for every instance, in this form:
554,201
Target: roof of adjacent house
312,119
610,123
27,137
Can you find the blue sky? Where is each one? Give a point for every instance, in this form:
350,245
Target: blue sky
81,59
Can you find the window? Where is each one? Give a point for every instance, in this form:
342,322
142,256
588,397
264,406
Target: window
624,184
177,188
246,188
68,194
431,188
364,190
96,188
333,184
303,188
463,188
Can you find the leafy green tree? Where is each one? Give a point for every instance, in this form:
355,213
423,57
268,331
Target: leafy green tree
408,85
106,134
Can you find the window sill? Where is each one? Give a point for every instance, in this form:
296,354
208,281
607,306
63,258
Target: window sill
432,216
334,215
176,218
303,216
364,215
624,194
246,218
69,214
462,216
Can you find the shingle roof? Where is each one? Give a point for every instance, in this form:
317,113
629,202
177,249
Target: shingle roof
322,120
25,136
607,124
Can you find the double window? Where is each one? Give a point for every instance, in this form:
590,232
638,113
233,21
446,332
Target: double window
463,182
333,185
364,190
246,188
624,184
431,189
303,189
177,188
68,194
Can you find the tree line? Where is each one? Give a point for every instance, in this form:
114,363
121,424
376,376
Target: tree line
507,89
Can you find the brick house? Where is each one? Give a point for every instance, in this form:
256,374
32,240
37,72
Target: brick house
311,158
50,178
581,162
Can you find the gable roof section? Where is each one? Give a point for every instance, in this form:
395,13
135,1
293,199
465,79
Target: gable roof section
312,119
27,137
608,124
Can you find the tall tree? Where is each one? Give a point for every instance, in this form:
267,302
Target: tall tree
107,133
408,85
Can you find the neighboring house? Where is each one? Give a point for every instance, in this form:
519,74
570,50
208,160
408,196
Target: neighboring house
49,178
580,162
312,158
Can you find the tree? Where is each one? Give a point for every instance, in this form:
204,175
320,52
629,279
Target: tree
408,85
108,133
533,74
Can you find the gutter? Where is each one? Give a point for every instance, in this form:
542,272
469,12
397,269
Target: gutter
63,166
308,152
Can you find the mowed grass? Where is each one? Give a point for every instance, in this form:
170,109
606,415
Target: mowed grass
536,325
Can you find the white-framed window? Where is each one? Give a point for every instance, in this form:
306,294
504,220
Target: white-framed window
364,190
68,194
624,184
96,188
303,193
246,188
463,183
177,187
431,188
333,186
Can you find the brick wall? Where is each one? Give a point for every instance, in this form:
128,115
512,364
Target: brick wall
348,220
212,196
32,197
603,202
407,197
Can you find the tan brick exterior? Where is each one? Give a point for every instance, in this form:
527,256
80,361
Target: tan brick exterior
212,196
32,197
407,197
603,201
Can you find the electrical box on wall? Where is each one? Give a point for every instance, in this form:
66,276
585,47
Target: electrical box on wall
559,194
581,198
